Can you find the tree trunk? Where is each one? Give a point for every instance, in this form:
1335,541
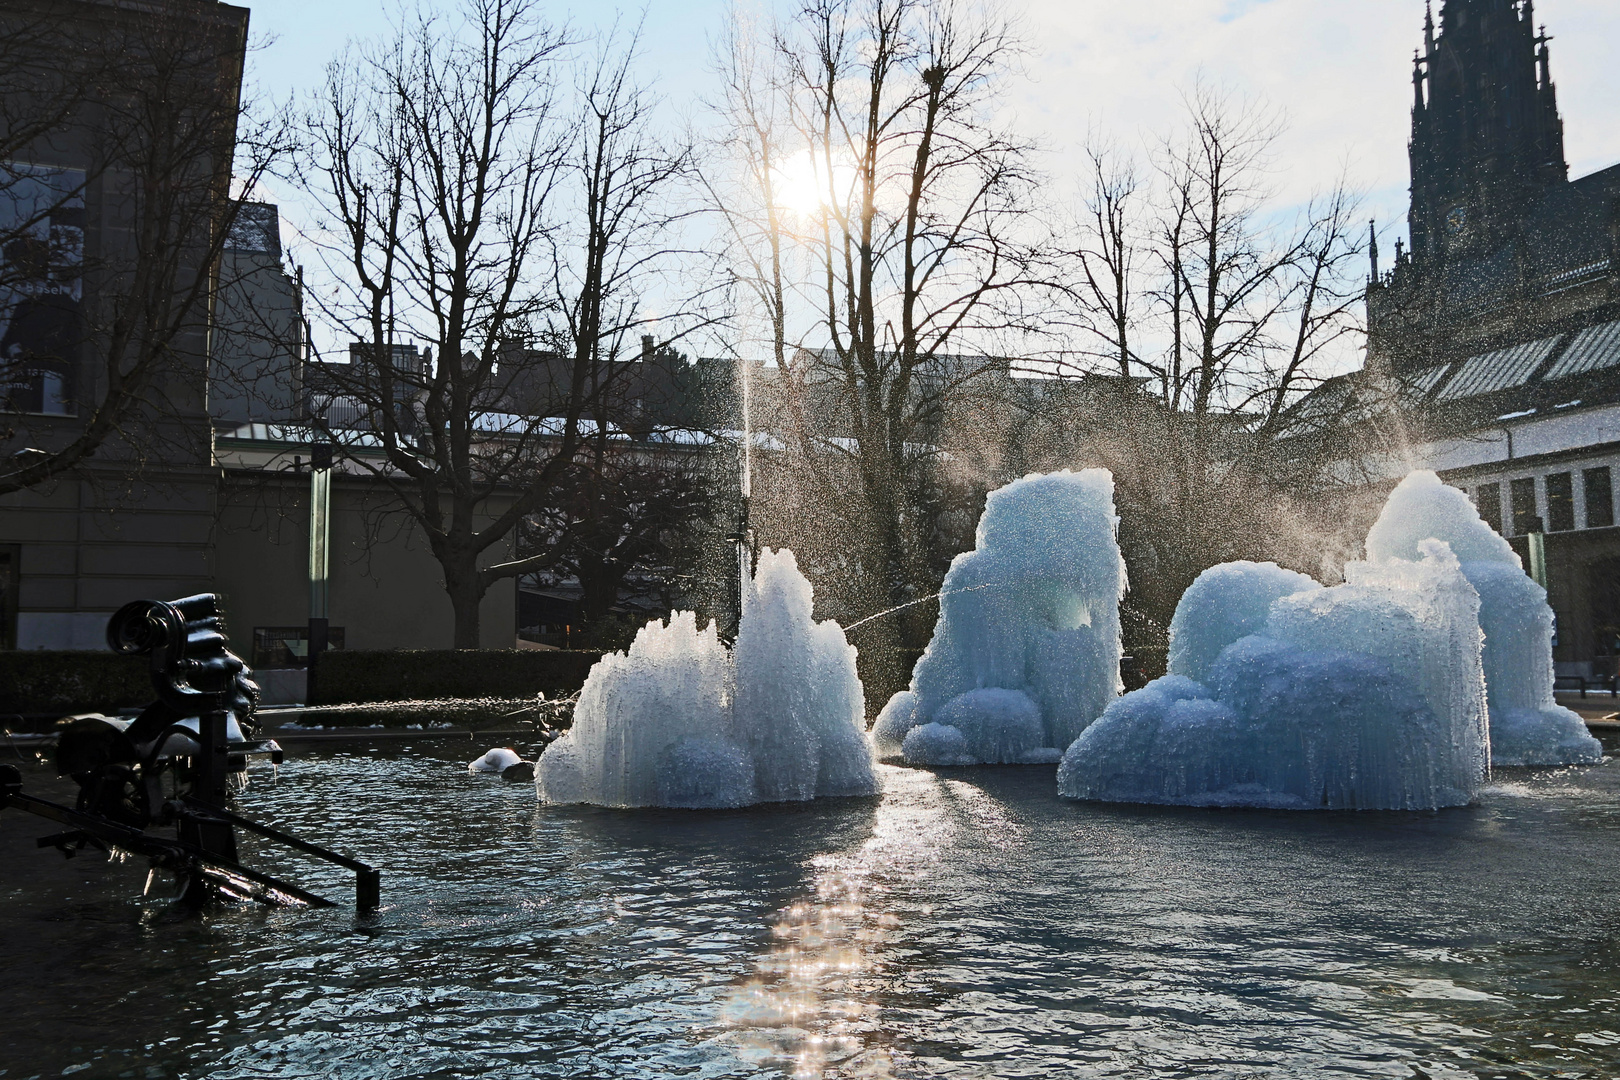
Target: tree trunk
466,592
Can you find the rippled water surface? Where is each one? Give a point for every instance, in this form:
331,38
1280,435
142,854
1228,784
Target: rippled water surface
968,923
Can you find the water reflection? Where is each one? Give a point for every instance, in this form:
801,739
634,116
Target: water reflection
968,924
811,1005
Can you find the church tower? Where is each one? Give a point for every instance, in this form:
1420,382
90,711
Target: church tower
1487,141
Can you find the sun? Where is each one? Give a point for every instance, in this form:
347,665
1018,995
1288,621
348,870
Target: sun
801,185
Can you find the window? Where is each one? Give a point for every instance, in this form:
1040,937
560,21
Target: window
1488,497
1599,498
42,222
288,646
1560,502
1523,495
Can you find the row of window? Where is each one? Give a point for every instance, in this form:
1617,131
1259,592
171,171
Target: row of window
1523,514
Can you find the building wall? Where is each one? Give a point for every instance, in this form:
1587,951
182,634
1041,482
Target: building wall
386,588
258,325
1583,563
135,520
90,544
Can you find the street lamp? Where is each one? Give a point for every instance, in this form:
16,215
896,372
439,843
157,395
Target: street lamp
320,533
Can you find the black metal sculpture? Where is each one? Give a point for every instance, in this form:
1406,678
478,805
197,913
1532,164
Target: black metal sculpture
199,731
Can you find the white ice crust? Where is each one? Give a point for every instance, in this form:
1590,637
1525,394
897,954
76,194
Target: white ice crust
498,760
1225,603
1364,696
680,721
1527,726
1026,650
1369,695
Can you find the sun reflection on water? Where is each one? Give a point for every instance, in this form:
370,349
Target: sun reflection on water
809,1008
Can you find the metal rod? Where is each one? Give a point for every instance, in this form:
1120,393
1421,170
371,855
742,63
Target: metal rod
276,834
141,844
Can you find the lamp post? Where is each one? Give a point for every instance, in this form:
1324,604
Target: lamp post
743,568
1536,539
320,528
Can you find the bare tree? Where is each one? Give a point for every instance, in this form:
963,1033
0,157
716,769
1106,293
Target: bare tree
484,209
920,253
1217,314
1109,260
138,116
754,142
632,522
627,188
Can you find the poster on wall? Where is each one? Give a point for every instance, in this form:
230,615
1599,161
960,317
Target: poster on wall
41,286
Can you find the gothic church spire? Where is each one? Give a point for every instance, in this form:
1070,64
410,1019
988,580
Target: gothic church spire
1486,136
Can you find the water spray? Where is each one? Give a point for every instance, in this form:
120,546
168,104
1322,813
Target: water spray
923,600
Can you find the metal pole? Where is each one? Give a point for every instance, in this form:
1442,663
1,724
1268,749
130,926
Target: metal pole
744,537
1538,557
320,527
208,786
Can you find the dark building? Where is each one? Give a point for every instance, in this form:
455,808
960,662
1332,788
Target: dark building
1505,248
1481,161
77,263
259,326
1493,350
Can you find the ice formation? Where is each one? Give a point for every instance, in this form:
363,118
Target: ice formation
1371,694
1226,602
679,721
1026,650
1527,726
494,761
1368,695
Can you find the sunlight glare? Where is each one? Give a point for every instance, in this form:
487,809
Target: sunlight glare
801,185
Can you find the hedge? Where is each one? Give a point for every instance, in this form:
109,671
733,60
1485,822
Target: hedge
59,682
350,676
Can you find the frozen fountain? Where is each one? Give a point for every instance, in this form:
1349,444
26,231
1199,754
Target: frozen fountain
1367,695
1026,650
680,721
1527,726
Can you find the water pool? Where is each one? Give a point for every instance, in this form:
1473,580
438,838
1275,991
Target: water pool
968,923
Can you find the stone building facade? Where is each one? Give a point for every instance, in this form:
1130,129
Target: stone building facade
1493,351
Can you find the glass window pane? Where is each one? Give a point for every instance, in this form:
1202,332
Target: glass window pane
1599,498
1560,502
1489,500
1523,494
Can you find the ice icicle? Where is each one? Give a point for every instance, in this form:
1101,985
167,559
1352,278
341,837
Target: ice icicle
937,744
1225,603
1368,695
672,687
1026,650
680,721
798,690
1528,727
1422,619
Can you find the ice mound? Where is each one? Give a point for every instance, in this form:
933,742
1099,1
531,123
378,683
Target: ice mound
680,721
1026,650
497,760
937,744
1223,604
1367,695
1527,726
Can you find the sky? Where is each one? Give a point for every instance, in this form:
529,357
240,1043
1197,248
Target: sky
1339,69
